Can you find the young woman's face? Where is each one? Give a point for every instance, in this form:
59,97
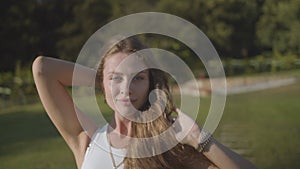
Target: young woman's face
126,83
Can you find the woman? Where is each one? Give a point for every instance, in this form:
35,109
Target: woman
126,92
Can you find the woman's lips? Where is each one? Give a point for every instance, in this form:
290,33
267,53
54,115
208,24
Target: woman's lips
126,101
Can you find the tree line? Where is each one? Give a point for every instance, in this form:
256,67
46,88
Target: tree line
250,36
237,28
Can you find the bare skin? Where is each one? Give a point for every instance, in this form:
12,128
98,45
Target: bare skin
52,76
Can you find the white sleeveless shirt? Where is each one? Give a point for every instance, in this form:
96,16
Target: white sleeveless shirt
97,155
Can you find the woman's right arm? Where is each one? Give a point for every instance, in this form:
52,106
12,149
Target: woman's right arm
51,76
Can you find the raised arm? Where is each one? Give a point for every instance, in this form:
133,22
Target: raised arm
51,76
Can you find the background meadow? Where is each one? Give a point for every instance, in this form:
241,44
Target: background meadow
262,126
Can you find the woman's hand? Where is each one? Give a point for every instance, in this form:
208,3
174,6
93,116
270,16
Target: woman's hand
186,130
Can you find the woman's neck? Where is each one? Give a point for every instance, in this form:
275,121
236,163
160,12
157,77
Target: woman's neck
119,132
121,125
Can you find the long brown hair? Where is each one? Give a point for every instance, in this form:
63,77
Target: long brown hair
180,156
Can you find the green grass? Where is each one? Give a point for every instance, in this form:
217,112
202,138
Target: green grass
263,126
29,140
269,123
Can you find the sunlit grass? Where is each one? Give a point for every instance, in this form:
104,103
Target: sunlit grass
268,121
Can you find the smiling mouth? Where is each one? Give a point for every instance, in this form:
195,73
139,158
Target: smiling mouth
126,101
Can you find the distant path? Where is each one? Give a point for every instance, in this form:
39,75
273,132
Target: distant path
237,85
260,86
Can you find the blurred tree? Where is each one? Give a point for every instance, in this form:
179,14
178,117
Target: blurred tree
61,27
88,16
278,27
230,24
16,29
29,28
126,7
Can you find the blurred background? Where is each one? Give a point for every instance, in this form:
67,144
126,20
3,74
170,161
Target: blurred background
258,42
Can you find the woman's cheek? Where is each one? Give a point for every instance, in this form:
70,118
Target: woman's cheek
145,87
108,95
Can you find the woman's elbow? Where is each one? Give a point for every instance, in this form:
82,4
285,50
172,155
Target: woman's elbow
38,66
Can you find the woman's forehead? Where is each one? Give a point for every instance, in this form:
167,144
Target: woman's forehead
124,63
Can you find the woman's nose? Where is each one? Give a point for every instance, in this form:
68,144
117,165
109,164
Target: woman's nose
125,88
125,92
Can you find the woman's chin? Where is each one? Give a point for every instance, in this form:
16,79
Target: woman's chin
127,111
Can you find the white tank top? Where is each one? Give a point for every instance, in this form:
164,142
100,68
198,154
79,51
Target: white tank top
97,155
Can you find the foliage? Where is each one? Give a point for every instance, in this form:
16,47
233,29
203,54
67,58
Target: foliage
87,17
261,64
279,25
17,87
59,28
250,36
230,25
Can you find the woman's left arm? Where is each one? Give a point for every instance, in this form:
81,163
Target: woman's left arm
221,156
225,158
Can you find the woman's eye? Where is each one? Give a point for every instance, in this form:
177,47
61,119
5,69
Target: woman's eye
138,78
116,78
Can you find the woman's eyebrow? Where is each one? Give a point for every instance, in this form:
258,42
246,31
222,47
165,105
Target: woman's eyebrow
144,71
113,72
132,74
140,72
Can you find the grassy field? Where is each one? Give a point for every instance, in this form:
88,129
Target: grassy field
263,126
267,123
